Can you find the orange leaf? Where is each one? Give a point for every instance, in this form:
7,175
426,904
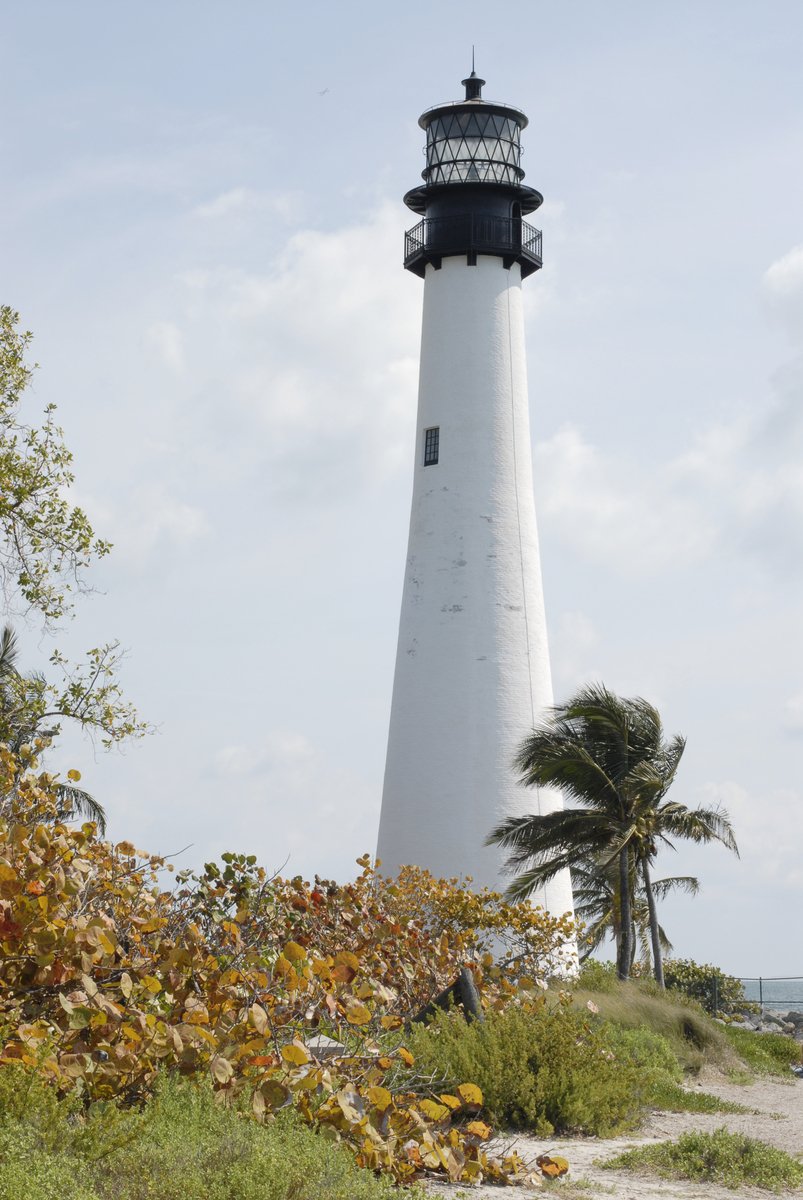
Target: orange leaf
479,1129
553,1166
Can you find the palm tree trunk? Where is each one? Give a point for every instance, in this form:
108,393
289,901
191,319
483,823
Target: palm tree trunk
625,955
655,937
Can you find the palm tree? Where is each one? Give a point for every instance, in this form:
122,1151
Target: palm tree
596,903
608,754
20,716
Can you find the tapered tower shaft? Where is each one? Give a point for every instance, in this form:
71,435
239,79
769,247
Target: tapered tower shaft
472,668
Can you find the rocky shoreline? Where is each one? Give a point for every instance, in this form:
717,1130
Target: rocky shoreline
772,1021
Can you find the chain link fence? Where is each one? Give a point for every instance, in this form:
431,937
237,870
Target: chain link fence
774,993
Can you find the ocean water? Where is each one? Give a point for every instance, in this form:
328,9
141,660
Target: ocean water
779,994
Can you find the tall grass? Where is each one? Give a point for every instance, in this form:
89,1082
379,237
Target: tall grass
695,1039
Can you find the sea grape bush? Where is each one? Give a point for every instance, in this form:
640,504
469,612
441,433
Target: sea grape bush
719,994
109,980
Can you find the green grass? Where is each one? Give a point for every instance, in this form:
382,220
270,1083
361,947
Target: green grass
729,1159
765,1053
671,1097
184,1147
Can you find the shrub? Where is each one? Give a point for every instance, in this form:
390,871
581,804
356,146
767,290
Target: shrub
185,1146
596,976
721,1157
543,1069
197,1149
715,991
109,980
767,1053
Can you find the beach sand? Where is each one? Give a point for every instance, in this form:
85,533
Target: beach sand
778,1120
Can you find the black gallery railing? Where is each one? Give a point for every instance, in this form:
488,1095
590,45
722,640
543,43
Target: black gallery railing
473,233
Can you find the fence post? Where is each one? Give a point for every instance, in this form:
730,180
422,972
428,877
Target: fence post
761,994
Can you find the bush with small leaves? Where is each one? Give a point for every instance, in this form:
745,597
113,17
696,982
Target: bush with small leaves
719,994
542,1068
730,1159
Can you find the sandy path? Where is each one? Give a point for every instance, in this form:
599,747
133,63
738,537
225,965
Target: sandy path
778,1119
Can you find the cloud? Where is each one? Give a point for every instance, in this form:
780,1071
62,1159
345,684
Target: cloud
768,827
152,519
793,714
783,291
165,340
573,641
241,200
314,812
307,370
736,489
613,511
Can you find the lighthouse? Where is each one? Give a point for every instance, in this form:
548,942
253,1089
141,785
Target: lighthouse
472,667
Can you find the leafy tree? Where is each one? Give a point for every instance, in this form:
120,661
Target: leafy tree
609,755
596,904
46,547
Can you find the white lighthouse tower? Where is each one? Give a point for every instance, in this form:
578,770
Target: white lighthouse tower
472,666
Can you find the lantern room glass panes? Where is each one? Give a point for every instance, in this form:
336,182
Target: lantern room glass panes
473,147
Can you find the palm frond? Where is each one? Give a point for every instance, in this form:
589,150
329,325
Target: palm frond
74,801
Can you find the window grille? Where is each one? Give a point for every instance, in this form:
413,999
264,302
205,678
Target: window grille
431,446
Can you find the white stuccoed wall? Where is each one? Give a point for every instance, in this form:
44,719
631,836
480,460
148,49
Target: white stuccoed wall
472,666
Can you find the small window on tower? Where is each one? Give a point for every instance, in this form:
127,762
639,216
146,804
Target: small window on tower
431,444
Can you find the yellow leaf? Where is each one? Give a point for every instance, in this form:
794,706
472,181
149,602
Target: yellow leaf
152,984
107,944
432,1110
407,1058
296,1055
450,1101
152,925
74,775
294,952
358,1014
380,1097
126,986
470,1095
391,1022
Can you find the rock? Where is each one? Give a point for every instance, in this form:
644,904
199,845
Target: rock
322,1046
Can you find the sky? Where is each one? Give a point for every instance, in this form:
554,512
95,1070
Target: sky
202,225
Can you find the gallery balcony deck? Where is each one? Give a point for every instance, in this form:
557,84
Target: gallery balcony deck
508,238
